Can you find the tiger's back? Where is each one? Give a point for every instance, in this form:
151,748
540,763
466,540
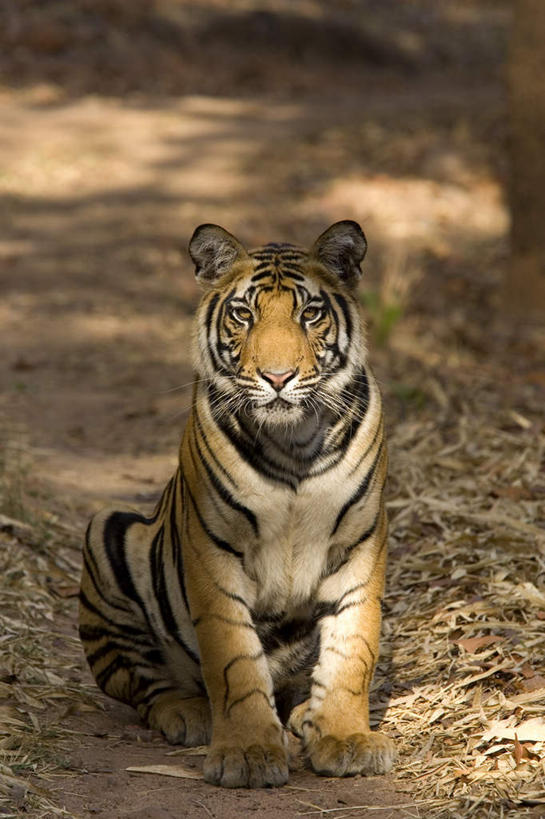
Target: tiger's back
252,595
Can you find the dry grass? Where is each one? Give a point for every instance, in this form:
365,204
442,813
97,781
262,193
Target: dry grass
39,681
463,657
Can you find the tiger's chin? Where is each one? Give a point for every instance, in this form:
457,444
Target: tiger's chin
279,414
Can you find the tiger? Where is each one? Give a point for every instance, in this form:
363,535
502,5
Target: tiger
248,604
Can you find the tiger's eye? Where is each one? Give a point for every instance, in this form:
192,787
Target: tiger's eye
241,314
312,313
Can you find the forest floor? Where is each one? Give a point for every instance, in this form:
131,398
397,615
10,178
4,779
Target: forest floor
104,174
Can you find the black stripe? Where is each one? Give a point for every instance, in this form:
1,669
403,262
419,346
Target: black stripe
355,397
360,491
114,543
210,312
224,493
368,449
93,572
343,560
157,569
149,696
119,630
84,600
355,588
115,645
366,535
220,367
221,544
232,596
239,658
352,605
324,610
177,554
247,696
121,662
92,569
218,463
221,347
343,304
250,450
164,501
292,269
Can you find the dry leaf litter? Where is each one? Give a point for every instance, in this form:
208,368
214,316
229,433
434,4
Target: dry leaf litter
461,680
39,677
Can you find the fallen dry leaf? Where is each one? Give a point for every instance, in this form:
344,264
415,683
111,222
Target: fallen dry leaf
66,591
518,750
527,670
473,644
488,673
526,697
534,683
515,493
531,730
167,770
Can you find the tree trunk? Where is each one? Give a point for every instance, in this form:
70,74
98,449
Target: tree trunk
525,280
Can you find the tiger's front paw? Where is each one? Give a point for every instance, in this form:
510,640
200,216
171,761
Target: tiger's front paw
257,766
368,754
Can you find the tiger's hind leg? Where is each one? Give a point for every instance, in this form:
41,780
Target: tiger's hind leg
126,657
133,672
182,720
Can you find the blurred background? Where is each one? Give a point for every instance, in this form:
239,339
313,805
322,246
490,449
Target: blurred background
126,123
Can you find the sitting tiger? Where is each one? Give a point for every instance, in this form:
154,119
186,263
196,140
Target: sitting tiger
250,599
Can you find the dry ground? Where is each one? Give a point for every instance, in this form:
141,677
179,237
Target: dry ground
104,173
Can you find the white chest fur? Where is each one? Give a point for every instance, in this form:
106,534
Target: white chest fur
288,558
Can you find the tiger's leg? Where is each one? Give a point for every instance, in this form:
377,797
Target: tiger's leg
126,657
335,728
248,747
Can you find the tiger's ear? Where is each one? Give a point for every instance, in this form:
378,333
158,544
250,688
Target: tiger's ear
341,249
214,251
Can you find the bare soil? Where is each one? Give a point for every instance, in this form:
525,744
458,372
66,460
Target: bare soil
111,742
104,174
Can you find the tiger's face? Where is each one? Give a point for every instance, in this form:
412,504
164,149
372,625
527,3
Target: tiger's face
279,333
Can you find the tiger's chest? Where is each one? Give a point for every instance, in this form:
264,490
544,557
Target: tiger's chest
291,527
289,556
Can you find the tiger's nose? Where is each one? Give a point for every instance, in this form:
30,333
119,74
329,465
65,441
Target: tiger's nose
278,379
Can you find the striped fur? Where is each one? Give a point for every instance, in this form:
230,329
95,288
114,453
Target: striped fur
250,599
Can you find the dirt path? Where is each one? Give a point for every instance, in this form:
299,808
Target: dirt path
111,742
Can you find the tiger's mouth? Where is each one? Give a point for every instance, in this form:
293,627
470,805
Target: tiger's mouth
280,412
279,402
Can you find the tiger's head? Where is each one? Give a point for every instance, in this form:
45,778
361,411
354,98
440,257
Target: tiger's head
279,334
